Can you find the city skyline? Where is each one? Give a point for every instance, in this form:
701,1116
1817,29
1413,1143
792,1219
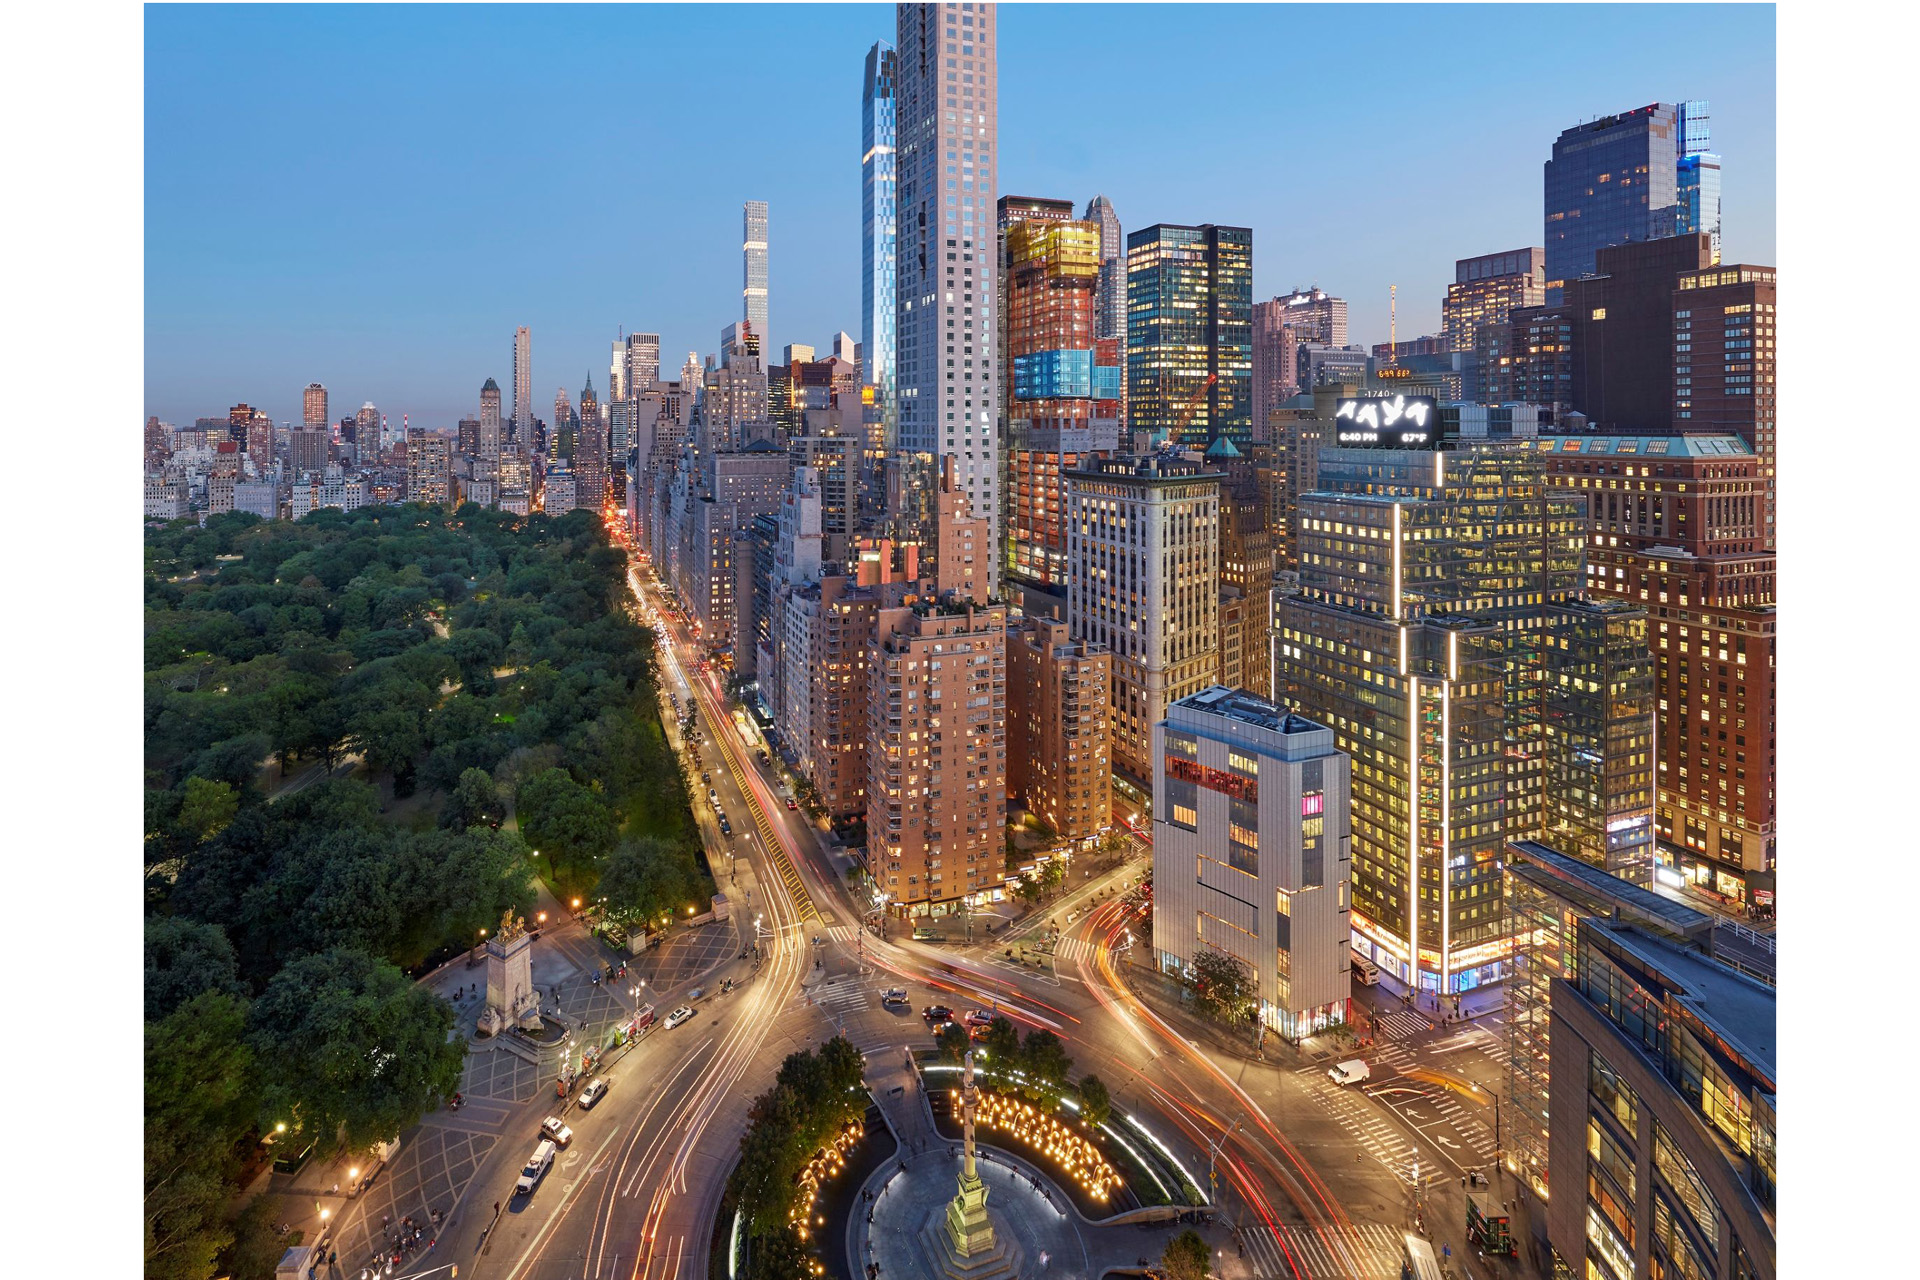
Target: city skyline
402,306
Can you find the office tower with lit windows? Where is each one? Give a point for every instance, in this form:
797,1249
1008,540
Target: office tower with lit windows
1057,690
1315,315
1487,290
1190,333
313,406
590,453
642,368
937,752
489,442
429,466
1615,181
1050,378
1246,569
1675,527
1440,630
753,249
945,261
1663,1112
1110,308
522,384
366,430
1143,579
1724,363
1252,853
878,213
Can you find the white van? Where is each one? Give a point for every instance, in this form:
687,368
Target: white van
537,1164
1365,971
1350,1072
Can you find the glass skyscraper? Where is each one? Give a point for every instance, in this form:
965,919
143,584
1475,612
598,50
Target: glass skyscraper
1440,630
877,229
1697,188
1611,181
1190,332
753,292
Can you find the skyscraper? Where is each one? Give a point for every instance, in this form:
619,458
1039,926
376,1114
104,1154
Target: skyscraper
1274,343
522,383
753,249
945,269
1487,289
878,201
1110,313
1190,332
366,431
1697,186
1614,181
1724,355
642,365
490,419
1440,629
313,406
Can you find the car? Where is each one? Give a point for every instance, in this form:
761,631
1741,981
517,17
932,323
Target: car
935,1014
596,1089
978,1018
537,1164
713,795
555,1128
894,995
791,804
706,777
726,828
683,1014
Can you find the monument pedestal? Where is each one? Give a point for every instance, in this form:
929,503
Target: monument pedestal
968,1231
511,999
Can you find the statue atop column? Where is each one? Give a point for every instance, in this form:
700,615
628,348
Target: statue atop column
968,1230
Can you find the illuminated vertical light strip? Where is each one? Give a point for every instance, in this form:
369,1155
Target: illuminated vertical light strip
1446,825
1396,560
1453,655
1439,468
1403,650
1413,833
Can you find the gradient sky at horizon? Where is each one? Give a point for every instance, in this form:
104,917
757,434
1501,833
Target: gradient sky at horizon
373,197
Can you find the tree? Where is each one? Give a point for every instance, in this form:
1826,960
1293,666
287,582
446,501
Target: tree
1222,985
567,823
953,1043
1187,1257
350,1049
1045,1065
184,958
1000,1046
647,878
206,807
200,1102
475,802
1096,1104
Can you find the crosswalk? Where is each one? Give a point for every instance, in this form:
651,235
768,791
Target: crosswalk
1375,1134
1072,951
1467,1123
1403,1023
1375,1246
843,996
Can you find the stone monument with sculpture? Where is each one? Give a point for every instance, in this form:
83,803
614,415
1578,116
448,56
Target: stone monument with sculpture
511,999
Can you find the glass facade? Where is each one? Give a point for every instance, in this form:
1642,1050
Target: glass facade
877,229
1610,181
1436,591
1189,320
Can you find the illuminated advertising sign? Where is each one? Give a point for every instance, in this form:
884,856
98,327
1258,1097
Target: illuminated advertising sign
1388,422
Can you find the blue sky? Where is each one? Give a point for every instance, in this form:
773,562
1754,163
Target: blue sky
375,196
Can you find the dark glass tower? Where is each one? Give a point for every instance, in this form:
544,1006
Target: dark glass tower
1190,319
877,228
1611,181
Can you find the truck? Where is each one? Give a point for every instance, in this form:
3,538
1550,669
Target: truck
1352,1071
537,1164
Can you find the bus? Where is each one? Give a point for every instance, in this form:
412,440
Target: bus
1421,1264
1365,972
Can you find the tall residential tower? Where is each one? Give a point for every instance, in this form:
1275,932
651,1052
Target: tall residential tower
753,248
522,383
945,270
878,195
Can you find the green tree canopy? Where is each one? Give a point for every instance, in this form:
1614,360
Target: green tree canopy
646,878
1045,1065
1222,985
351,1048
185,958
1096,1104
1187,1257
565,821
200,1102
475,802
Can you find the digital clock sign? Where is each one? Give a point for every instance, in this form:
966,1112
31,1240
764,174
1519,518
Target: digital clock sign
1387,422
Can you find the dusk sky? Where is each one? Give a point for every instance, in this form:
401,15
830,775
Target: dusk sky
373,197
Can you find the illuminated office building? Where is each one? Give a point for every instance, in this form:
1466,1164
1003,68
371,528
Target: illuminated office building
313,406
1486,291
1190,332
753,251
1724,335
1440,630
1143,555
1051,377
1697,184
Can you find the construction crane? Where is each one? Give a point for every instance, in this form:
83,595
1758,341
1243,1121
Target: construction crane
1187,410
